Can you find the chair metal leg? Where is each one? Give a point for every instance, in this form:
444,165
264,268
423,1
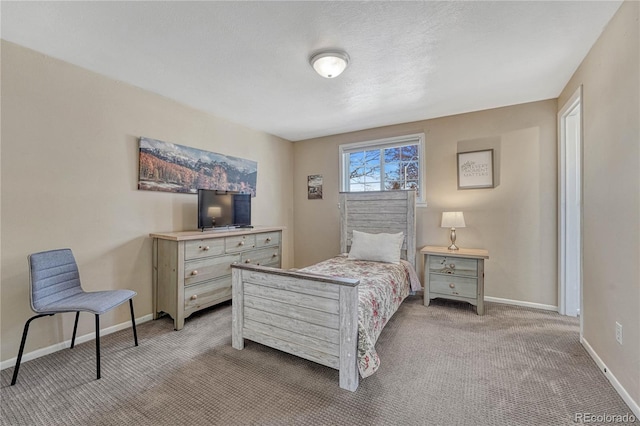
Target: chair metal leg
98,346
133,322
22,342
75,328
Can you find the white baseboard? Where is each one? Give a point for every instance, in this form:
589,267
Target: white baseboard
67,343
521,303
614,381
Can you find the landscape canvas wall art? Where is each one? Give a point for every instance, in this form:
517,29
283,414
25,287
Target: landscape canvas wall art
170,167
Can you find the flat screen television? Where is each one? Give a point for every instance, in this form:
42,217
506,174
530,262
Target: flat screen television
223,209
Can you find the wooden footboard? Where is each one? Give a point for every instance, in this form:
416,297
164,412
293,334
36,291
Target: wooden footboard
311,316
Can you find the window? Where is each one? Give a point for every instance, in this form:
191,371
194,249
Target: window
383,165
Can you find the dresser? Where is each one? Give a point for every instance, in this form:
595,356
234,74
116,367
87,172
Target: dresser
454,274
192,269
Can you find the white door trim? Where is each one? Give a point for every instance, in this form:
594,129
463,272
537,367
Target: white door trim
570,231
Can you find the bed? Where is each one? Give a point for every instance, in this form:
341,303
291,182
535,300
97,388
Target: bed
333,312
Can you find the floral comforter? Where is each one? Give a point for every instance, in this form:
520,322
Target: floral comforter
383,287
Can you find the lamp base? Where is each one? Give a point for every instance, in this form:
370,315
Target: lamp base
453,245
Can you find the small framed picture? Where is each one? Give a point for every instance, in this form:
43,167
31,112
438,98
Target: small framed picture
475,169
314,187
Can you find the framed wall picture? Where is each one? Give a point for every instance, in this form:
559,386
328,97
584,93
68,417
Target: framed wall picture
169,167
314,187
475,169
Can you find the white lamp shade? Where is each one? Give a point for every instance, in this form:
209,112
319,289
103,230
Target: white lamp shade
452,220
329,64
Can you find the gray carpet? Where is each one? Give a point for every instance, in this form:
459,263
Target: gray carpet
441,365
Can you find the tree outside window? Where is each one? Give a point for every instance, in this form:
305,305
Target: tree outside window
382,165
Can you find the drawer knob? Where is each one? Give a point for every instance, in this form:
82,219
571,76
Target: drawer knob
205,248
448,269
452,285
247,261
269,239
194,272
241,243
275,255
194,297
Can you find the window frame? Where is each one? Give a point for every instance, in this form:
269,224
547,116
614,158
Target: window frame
392,142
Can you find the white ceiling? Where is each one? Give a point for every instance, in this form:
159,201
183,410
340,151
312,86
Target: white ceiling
247,62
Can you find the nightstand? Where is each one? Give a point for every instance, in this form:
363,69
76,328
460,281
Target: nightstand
454,274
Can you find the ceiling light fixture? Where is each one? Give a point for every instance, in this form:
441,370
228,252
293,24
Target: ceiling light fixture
329,63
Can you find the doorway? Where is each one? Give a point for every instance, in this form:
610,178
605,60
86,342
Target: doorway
570,206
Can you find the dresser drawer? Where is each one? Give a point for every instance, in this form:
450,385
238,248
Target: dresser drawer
453,265
268,239
201,294
208,268
453,285
239,243
203,248
268,256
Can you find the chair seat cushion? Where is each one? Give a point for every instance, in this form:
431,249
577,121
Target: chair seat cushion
96,302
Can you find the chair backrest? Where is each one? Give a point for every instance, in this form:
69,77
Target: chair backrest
53,275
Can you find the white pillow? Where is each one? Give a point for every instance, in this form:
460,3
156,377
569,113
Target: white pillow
376,247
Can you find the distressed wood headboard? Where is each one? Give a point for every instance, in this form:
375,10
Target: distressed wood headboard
377,212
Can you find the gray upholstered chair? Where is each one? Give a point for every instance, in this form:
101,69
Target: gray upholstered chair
55,287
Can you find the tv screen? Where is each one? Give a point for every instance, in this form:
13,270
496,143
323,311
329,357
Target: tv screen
223,209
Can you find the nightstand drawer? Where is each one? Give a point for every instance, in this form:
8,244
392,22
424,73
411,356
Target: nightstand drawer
453,265
453,285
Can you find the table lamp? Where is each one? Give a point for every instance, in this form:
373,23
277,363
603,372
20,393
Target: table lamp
452,220
214,212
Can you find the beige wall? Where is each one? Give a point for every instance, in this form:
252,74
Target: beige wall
69,179
515,221
610,77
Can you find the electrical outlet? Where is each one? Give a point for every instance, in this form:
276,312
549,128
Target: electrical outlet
619,332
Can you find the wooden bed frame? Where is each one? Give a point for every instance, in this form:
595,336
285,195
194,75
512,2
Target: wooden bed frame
314,316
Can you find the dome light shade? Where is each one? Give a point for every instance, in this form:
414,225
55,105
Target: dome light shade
329,64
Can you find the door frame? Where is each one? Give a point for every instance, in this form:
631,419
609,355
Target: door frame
565,298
